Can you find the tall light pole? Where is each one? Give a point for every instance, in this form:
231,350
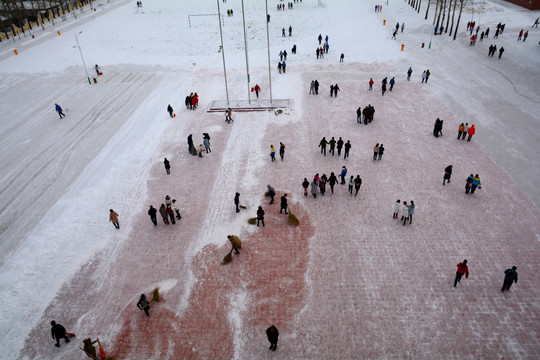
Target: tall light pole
268,46
84,64
246,50
223,52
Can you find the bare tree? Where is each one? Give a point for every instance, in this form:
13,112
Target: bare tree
462,4
440,11
436,11
443,7
427,10
448,18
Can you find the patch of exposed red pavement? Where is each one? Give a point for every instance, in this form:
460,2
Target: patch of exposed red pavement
270,270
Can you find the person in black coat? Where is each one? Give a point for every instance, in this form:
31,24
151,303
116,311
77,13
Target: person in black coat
143,304
381,152
347,148
170,110
357,184
510,277
332,180
188,101
237,202
322,145
58,332
153,212
260,215
167,166
339,145
272,333
447,174
316,87
284,205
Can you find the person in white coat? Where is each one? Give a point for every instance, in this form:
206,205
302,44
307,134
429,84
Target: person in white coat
176,209
396,207
314,188
404,212
351,184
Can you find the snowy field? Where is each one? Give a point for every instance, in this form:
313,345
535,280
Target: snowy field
349,282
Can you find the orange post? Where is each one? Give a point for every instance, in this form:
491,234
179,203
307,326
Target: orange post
16,52
58,32
402,47
384,22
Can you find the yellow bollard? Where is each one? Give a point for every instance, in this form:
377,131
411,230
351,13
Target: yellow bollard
16,52
384,22
402,47
58,32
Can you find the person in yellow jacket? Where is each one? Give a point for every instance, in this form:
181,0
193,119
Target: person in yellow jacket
113,217
236,243
461,128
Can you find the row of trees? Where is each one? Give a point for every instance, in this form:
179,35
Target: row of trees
16,11
443,9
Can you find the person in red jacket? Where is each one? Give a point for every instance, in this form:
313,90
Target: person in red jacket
471,132
257,89
370,84
462,269
194,101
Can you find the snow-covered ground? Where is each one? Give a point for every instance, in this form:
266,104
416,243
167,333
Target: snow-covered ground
349,282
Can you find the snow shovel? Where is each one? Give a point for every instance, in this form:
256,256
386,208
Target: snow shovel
70,334
101,351
242,206
252,221
228,258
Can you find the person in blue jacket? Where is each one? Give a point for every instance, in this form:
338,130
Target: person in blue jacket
343,174
475,183
59,110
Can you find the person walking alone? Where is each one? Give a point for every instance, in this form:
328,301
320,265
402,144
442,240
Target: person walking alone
152,212
272,334
237,202
281,150
113,217
447,174
59,110
510,277
167,166
462,269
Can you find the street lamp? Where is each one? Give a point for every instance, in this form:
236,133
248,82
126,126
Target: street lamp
84,64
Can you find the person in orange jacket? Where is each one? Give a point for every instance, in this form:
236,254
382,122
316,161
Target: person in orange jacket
461,128
370,84
471,132
462,269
